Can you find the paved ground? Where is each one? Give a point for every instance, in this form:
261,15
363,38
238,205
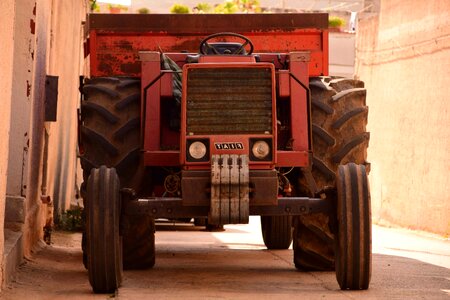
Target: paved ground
194,264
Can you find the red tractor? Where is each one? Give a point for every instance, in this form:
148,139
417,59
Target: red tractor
216,118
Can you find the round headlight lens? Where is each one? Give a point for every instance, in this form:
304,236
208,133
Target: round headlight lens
197,150
260,149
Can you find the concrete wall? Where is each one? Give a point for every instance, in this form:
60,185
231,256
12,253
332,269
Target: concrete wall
57,52
7,7
46,39
21,106
34,215
67,45
404,57
23,97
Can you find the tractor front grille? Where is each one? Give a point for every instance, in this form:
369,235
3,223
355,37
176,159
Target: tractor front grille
229,101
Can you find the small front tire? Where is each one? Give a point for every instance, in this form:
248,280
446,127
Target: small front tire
353,245
103,242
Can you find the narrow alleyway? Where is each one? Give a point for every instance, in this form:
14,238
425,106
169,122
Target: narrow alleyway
194,264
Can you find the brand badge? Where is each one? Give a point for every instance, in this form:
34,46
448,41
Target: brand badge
229,146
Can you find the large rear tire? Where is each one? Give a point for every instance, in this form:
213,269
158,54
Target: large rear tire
104,247
339,117
110,129
276,231
140,241
313,246
354,246
111,136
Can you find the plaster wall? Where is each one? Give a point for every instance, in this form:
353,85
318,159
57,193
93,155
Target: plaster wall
66,59
58,52
7,7
404,58
48,41
35,213
22,86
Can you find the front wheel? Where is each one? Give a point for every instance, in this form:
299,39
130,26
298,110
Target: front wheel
104,245
353,246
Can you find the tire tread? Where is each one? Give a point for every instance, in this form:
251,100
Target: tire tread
339,113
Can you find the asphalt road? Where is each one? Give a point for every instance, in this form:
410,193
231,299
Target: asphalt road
195,264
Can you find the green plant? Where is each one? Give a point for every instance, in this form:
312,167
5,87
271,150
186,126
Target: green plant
203,8
117,7
248,6
94,6
335,22
144,10
179,9
236,6
228,7
71,220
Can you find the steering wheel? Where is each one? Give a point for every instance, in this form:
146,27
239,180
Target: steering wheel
204,45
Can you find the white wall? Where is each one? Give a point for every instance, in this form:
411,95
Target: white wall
342,54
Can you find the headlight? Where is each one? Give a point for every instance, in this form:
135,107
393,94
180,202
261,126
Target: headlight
260,149
197,150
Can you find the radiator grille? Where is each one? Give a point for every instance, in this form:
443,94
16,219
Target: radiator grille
229,101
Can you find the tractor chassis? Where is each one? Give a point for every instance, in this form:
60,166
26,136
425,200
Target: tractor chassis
173,208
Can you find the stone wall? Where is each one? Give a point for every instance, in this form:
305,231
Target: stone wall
403,55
